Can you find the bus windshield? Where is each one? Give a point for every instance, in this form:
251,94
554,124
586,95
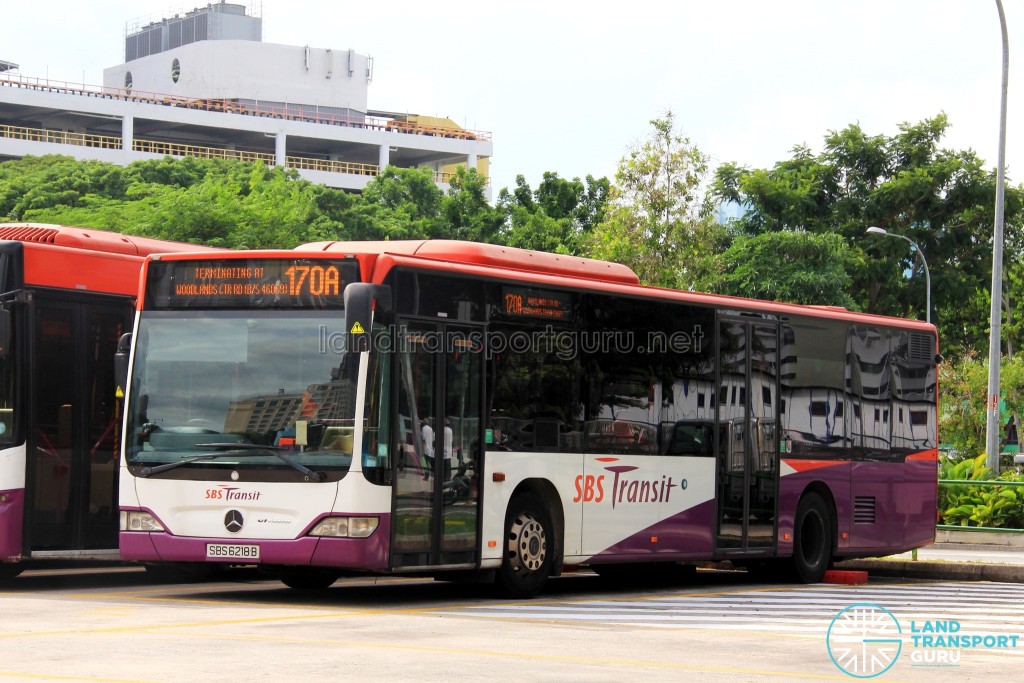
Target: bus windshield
224,389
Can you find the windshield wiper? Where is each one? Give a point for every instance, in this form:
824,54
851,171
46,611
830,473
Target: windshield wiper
147,471
229,448
237,450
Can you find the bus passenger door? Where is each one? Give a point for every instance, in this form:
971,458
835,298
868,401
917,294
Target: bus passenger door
748,462
74,442
436,506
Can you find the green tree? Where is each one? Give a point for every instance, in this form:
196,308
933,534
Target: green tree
1012,328
791,266
465,213
558,217
659,220
33,183
341,215
943,200
962,405
406,203
214,202
242,205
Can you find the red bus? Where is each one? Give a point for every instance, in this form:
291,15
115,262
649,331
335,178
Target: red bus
465,410
66,297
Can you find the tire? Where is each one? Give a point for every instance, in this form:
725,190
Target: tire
9,571
529,547
308,578
812,539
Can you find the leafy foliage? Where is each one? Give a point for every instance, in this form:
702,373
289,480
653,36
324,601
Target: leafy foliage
656,218
940,199
241,205
558,217
992,505
659,220
792,266
963,386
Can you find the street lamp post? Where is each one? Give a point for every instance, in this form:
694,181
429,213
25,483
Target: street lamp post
927,278
992,426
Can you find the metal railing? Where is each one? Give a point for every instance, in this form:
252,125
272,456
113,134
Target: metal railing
277,110
178,150
59,137
329,166
174,149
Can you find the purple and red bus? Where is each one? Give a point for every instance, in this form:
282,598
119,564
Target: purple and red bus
66,296
456,409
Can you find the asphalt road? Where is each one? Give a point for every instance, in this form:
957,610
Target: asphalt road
115,624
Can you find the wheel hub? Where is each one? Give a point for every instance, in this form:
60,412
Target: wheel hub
527,544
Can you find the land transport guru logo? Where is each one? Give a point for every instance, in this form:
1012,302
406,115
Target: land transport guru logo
865,640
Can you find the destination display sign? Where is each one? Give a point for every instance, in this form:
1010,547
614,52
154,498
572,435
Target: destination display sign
249,283
537,303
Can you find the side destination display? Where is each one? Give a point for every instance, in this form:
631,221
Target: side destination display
537,303
250,283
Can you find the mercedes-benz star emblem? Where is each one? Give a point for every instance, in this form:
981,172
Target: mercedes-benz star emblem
233,521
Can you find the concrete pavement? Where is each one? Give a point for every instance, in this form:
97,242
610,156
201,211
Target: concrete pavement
956,556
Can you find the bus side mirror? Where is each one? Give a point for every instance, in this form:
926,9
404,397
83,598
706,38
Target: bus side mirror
124,345
359,306
5,332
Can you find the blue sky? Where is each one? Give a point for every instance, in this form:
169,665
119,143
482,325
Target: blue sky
568,86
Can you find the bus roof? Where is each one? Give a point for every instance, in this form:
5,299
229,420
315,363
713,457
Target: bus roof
83,259
91,240
490,255
376,258
633,289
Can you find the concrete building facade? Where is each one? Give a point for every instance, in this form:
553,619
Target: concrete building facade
204,84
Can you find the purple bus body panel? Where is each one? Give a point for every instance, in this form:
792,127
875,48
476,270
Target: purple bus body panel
12,512
137,547
903,495
920,497
356,553
349,553
689,534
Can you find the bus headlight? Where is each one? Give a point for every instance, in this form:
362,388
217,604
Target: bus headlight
345,527
136,520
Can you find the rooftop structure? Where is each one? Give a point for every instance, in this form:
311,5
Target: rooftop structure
204,84
223,21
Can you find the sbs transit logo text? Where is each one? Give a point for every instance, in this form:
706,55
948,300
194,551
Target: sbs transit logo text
618,488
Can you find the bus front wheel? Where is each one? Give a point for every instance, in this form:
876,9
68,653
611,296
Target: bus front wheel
812,539
529,545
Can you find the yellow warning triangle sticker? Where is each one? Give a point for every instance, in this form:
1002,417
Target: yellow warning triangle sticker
119,393
357,328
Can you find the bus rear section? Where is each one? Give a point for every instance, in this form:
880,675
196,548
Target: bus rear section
450,409
66,297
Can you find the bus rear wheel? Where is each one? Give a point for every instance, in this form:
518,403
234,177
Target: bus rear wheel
529,545
812,539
